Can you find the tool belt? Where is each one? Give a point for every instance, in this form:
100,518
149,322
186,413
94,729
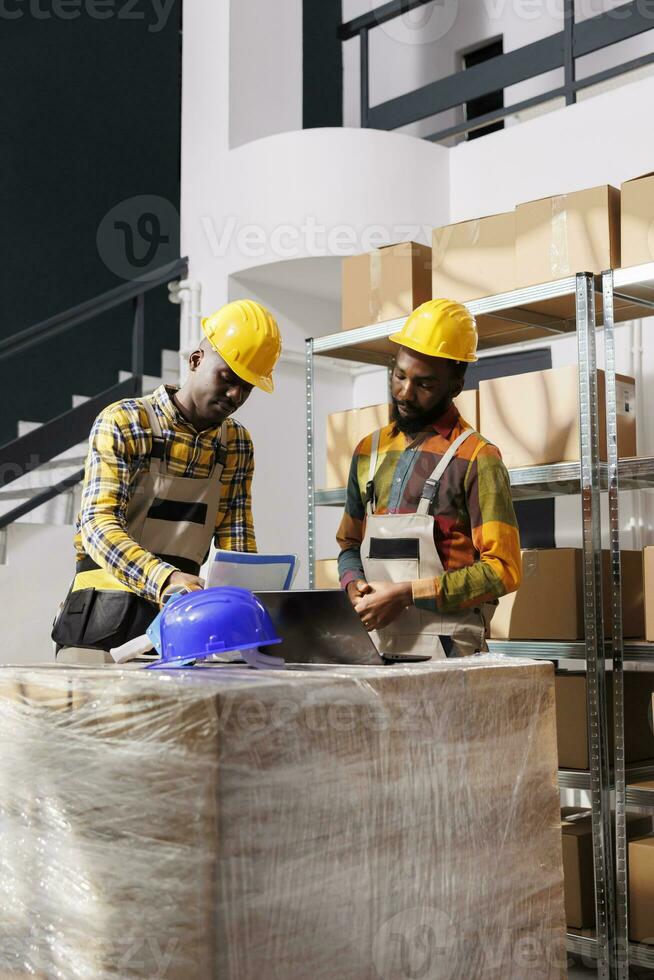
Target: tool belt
101,619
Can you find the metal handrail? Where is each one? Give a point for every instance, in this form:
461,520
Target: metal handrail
558,51
49,493
91,308
28,452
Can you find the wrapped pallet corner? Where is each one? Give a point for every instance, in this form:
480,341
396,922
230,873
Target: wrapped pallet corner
221,824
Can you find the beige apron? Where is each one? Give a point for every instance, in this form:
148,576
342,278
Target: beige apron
401,548
174,517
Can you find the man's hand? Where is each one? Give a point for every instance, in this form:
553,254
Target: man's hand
357,590
181,580
383,603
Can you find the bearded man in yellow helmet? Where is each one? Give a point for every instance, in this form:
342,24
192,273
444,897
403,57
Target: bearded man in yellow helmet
429,538
166,474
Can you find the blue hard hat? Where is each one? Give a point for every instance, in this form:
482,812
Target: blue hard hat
210,621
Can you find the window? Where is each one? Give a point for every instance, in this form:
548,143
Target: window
485,103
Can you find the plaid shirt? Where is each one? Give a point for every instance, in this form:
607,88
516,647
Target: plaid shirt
475,528
119,446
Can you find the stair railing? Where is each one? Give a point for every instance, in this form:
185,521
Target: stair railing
28,452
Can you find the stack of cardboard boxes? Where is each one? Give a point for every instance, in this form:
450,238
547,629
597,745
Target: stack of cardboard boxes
578,873
589,230
576,821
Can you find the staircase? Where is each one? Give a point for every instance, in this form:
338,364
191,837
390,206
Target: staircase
63,509
36,536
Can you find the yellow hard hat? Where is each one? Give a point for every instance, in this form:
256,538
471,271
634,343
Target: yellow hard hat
247,337
440,328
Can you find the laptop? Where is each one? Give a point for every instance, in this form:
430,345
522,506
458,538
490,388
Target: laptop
318,627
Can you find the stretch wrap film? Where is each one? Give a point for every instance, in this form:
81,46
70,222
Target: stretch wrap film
328,823
375,285
559,255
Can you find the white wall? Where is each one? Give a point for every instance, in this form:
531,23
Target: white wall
34,580
265,68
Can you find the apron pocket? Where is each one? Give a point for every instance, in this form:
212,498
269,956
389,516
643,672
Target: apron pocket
394,549
109,618
68,628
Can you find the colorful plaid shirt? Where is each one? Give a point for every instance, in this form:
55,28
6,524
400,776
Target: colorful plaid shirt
119,446
475,528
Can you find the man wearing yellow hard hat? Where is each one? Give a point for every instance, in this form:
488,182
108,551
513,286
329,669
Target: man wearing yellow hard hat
429,538
166,474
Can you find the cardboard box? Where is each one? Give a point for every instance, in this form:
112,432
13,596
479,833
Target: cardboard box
475,258
549,603
468,406
533,418
641,890
559,236
326,574
345,430
648,591
572,718
637,226
578,872
385,284
208,821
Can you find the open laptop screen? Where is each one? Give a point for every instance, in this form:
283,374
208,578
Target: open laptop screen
318,627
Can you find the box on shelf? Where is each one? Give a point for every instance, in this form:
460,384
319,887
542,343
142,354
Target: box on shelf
385,284
572,718
474,258
648,591
557,237
533,418
468,405
232,839
549,603
641,890
345,430
578,873
326,574
637,225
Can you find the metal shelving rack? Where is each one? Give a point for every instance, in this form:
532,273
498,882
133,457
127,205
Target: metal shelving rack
574,304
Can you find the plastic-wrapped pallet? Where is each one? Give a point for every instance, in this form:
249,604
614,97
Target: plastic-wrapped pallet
353,823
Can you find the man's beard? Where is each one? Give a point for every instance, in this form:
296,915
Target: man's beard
415,423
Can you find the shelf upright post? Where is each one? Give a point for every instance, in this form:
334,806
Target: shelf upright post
311,507
617,645
594,627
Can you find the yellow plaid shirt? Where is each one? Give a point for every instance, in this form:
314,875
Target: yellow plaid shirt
119,447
